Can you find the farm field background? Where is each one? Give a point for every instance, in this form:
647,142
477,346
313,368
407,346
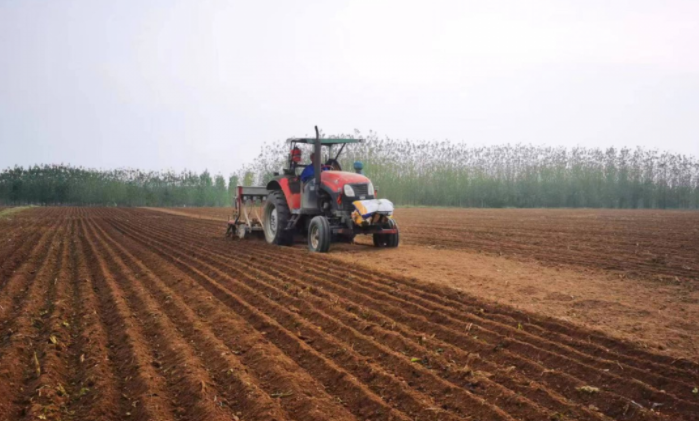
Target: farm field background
113,313
631,273
662,244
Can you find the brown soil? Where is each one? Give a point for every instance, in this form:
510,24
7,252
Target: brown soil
660,315
659,244
631,274
663,245
134,314
214,214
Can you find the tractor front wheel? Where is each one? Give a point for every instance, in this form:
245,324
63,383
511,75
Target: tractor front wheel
275,219
388,240
319,235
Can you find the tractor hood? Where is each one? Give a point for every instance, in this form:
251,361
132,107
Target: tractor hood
336,180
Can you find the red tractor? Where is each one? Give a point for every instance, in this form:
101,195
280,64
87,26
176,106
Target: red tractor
330,206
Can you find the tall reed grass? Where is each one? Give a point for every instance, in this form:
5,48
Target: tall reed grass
456,174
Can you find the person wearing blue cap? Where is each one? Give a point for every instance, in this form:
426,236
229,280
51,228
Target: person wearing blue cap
358,167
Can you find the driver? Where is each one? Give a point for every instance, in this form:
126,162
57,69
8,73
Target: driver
308,172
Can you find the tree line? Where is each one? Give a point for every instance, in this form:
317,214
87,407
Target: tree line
68,185
457,174
407,172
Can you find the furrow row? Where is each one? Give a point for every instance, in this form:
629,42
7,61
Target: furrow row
143,393
381,351
625,392
49,393
113,313
22,334
223,335
612,354
170,356
320,355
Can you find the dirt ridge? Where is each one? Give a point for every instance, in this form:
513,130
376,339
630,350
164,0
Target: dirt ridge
133,314
151,236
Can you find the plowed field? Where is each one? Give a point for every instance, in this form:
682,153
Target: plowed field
663,244
660,244
135,314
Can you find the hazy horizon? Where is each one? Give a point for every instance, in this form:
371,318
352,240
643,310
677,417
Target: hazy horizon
202,85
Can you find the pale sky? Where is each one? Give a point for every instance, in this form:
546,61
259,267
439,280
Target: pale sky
202,84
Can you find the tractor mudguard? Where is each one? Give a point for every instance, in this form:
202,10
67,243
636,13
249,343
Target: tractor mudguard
292,199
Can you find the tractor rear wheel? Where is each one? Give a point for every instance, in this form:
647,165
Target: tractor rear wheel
388,240
319,235
275,219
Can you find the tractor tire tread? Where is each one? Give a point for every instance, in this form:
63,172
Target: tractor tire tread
283,237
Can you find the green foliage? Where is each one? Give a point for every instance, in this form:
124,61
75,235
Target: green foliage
407,172
248,178
455,174
66,185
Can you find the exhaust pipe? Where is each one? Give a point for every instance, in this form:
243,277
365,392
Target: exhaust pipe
316,162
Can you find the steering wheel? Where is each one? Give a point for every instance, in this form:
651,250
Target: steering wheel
333,164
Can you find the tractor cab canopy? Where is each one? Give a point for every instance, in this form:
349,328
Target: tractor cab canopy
295,153
324,142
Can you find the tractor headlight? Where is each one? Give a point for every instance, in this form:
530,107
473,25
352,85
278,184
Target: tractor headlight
349,191
370,189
